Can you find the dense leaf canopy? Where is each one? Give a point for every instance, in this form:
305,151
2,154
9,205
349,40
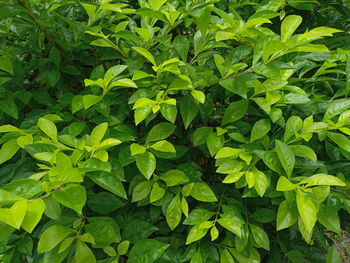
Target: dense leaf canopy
201,131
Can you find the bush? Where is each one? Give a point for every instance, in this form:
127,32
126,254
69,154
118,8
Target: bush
174,131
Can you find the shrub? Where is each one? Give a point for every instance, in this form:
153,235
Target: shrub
173,131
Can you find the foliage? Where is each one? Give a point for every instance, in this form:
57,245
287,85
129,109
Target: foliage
174,131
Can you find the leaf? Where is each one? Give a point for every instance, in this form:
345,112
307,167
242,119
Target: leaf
160,131
215,143
289,25
174,177
147,251
146,54
14,215
163,146
137,149
260,129
322,179
202,192
146,163
198,95
48,127
90,100
33,215
8,150
108,181
98,133
123,247
141,191
174,212
329,219
189,108
9,107
235,111
260,237
181,46
156,193
304,151
52,236
286,156
261,182
198,216
196,233
72,196
307,210
340,140
225,257
136,230
83,254
227,152
286,216
231,225
103,229
284,184
333,255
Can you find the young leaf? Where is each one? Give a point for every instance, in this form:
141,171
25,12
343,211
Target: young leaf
72,196
52,236
289,25
307,210
260,129
48,127
202,192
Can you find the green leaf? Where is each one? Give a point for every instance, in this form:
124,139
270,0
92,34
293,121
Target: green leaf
225,257
147,251
146,163
9,107
231,225
146,54
289,25
27,188
307,210
202,192
141,191
304,151
235,111
52,236
156,193
163,146
196,233
260,129
98,133
322,179
287,215
49,128
198,95
333,255
261,182
14,215
72,196
329,219
174,177
108,181
227,152
83,254
284,184
286,156
90,100
9,128
137,149
123,247
340,140
260,237
181,46
189,108
8,150
293,125
174,212
33,215
103,229
142,113
160,131
169,112
215,143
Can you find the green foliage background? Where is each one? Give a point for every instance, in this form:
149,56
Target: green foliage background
174,131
